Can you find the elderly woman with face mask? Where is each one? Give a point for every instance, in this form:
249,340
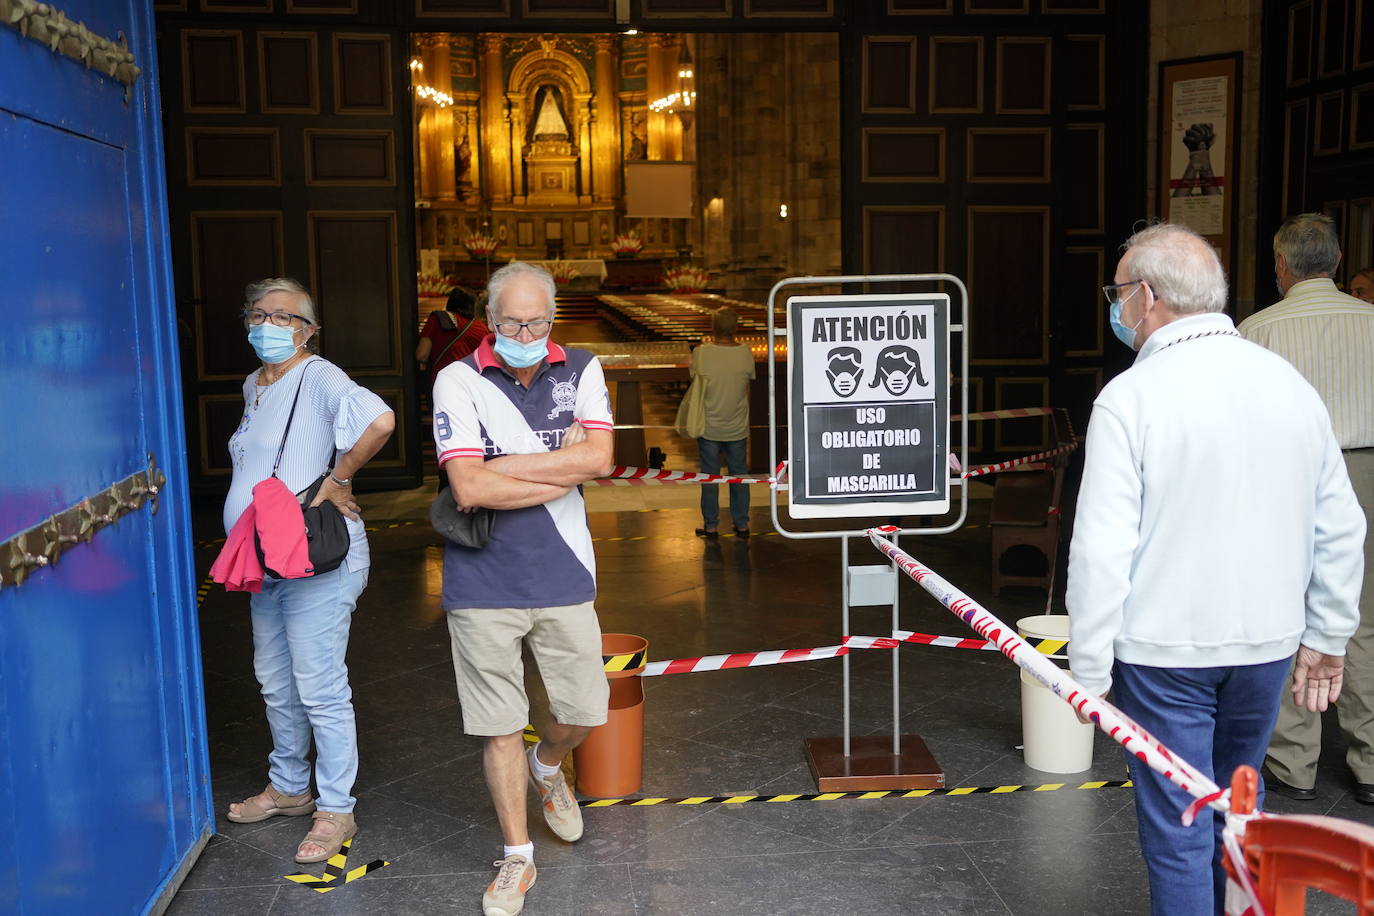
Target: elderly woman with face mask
303,418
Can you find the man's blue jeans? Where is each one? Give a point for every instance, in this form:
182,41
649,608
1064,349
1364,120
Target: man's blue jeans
711,452
300,636
1216,719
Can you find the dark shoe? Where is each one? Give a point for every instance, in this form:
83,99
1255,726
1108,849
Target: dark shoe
1273,784
741,532
708,533
1364,793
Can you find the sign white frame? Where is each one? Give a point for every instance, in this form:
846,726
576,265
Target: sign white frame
868,402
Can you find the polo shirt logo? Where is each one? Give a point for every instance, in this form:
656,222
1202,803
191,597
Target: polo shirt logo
564,397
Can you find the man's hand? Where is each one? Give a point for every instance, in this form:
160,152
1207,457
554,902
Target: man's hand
574,434
1084,719
1317,678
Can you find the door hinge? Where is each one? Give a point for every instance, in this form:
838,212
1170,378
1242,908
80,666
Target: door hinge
45,543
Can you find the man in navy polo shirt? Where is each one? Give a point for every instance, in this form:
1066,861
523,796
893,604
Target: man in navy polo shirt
519,424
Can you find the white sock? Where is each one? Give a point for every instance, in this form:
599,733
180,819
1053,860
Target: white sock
527,851
541,769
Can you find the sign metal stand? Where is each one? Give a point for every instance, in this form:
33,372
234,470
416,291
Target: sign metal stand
847,762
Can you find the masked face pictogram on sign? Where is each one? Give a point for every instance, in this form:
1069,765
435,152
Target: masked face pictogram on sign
896,367
843,370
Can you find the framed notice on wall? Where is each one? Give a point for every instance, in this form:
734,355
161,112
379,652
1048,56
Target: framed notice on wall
868,387
1199,111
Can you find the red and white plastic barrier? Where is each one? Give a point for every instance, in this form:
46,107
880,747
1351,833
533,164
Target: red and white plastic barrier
1126,732
1017,462
741,660
623,476
1119,727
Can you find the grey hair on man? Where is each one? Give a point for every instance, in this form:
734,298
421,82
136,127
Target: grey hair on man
1309,244
499,280
1187,276
254,293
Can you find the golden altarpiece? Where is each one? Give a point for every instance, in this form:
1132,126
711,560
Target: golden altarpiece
524,139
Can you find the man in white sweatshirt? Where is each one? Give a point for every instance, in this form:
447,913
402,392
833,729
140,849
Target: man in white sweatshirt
1216,535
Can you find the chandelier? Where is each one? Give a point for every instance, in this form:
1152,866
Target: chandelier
681,102
427,93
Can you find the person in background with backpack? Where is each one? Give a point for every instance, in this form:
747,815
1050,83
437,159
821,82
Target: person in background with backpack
304,422
451,334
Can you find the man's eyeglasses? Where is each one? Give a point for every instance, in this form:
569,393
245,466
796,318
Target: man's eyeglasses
254,317
538,328
1113,291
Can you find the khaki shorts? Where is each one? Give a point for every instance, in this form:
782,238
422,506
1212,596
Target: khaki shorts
566,642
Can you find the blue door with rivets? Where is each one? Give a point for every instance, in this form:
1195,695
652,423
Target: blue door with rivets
104,778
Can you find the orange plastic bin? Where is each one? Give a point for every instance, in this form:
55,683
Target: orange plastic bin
610,763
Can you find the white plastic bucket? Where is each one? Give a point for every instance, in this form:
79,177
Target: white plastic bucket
1053,739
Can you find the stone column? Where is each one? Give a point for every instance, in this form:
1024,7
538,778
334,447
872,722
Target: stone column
606,153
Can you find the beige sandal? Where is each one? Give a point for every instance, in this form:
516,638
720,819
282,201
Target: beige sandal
251,810
344,828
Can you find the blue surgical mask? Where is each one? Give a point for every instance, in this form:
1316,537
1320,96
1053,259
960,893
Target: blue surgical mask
521,355
1124,334
271,343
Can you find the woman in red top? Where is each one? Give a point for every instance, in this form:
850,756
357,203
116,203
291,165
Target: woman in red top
450,335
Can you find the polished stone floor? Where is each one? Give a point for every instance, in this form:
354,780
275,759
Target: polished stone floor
423,806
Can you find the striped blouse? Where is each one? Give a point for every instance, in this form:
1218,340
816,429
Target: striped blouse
332,414
1328,337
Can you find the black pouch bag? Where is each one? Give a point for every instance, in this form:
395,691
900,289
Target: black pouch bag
466,529
326,531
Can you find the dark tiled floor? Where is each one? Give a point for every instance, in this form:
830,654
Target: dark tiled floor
423,805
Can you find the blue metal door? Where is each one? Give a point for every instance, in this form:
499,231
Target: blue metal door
104,776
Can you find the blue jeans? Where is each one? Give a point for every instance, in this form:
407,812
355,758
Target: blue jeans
300,636
1216,719
711,452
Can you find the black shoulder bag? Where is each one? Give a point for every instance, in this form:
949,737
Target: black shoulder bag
326,532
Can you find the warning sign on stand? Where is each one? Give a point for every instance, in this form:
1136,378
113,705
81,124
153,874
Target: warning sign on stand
869,402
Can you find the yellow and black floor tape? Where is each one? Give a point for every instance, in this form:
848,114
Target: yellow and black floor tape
336,872
837,796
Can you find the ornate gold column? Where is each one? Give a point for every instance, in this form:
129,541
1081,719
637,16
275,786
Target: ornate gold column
585,116
495,138
441,182
665,131
606,154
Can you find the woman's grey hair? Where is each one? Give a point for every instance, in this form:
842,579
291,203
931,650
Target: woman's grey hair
1181,267
499,280
254,293
1308,243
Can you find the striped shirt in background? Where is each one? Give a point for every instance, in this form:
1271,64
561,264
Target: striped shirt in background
331,416
1328,337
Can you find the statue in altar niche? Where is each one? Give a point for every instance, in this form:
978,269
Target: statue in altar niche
549,122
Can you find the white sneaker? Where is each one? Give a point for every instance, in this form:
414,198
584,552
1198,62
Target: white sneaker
505,895
560,807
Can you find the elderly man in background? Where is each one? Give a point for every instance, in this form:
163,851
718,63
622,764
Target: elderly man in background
1328,337
1216,535
519,424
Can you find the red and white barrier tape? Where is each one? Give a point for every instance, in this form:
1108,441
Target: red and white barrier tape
1007,414
626,476
1108,718
622,476
1016,462
741,660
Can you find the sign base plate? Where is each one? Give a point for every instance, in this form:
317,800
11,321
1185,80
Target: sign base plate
871,765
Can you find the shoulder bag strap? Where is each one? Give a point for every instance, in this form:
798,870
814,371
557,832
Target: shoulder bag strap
281,449
456,338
